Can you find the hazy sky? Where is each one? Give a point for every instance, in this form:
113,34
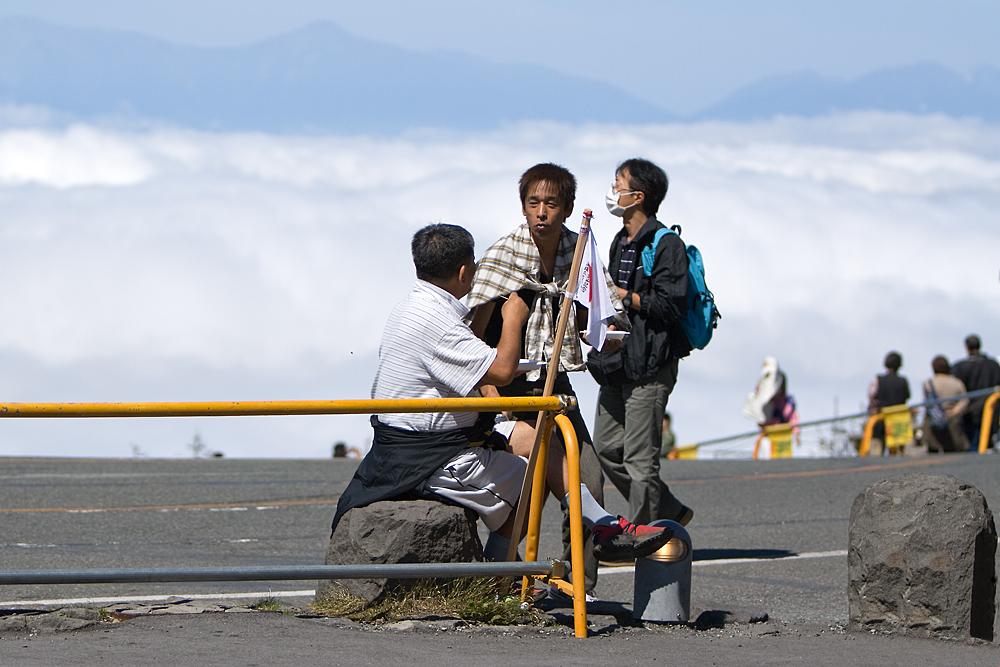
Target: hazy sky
167,264
681,55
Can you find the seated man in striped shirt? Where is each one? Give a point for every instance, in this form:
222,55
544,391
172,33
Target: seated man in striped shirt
428,352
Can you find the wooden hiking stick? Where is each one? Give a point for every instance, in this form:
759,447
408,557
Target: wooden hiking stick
550,381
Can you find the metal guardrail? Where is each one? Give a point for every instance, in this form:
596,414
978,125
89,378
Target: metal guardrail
285,573
993,393
559,403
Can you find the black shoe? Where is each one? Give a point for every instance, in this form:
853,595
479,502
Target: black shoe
627,541
684,516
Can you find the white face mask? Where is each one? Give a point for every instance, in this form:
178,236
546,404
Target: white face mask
611,200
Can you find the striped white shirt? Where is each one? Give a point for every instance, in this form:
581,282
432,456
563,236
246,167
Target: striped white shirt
427,351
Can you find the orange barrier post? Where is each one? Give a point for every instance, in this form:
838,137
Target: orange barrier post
578,589
984,429
575,524
866,439
537,502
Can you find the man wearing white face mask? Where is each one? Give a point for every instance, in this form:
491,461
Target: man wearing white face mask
637,379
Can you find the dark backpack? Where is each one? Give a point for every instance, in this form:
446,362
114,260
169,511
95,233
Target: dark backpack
702,316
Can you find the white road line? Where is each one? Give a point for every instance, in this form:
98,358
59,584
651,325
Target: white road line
162,598
730,561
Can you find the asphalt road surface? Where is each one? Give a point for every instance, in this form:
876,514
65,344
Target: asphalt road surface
768,536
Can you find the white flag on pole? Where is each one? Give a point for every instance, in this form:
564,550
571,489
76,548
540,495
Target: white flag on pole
592,292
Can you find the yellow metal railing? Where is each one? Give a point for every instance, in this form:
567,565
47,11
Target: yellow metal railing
898,429
556,404
897,412
255,408
985,429
538,492
780,437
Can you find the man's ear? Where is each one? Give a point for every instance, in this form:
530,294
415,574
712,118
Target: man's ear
569,212
467,273
640,197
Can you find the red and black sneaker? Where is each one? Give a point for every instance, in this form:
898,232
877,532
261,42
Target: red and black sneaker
628,541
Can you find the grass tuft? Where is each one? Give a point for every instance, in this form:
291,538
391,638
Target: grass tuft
269,603
474,600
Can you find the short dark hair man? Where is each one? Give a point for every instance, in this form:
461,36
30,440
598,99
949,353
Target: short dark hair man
977,371
428,351
536,258
637,380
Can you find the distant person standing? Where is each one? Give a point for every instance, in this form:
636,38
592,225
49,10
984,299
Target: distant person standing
943,423
887,390
668,440
978,371
770,403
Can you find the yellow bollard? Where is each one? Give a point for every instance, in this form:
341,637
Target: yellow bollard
575,524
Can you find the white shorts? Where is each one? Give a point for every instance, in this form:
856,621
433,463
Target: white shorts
486,481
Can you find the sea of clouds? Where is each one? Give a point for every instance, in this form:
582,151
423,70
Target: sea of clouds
164,264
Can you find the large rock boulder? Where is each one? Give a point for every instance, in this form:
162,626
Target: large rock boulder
922,558
412,531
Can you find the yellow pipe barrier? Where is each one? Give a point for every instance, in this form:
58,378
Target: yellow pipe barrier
558,403
539,490
255,408
985,428
578,589
780,432
575,524
866,439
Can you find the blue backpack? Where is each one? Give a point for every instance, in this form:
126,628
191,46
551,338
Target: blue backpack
702,316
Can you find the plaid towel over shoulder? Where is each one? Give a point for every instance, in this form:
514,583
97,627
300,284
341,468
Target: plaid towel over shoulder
513,263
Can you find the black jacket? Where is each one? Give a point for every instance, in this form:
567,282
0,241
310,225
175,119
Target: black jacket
397,466
656,335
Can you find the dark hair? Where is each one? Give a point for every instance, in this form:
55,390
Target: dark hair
560,178
940,365
648,179
893,361
439,251
972,343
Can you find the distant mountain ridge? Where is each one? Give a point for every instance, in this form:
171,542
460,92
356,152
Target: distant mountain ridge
323,79
318,78
918,89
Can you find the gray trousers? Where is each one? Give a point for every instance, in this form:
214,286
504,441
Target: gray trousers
627,430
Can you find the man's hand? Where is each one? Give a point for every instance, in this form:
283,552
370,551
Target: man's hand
612,345
609,345
504,367
515,310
